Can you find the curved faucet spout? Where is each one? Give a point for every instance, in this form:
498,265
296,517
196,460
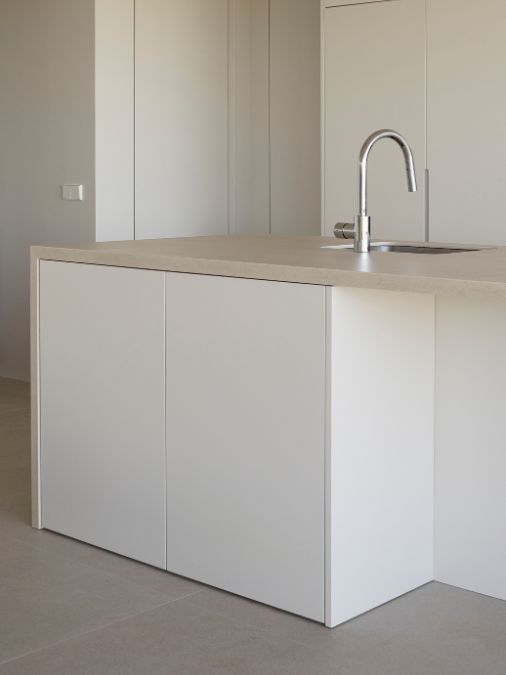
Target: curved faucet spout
362,163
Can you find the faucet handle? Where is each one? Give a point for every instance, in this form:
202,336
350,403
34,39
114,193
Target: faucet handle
344,230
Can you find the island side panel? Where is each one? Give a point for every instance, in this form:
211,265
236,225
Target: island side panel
245,438
470,534
382,448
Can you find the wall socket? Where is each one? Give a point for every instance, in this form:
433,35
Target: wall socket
72,193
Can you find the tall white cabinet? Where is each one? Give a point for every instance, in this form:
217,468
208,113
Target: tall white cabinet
294,93
466,99
181,118
374,77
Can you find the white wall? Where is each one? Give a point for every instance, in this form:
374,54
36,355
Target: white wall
46,139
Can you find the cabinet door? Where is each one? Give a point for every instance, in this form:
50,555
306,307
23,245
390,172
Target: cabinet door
181,116
295,137
466,110
374,77
245,437
102,407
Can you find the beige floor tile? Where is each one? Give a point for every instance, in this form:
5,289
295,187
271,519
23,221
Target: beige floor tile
278,623
436,629
38,609
433,630
168,586
15,482
14,439
177,639
15,514
14,395
24,566
14,510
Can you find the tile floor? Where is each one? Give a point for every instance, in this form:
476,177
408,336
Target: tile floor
70,609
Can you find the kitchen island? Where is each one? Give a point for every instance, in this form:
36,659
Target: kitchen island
308,427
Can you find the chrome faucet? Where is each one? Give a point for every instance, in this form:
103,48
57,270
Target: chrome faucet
362,229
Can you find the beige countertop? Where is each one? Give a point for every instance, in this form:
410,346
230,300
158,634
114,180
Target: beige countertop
302,260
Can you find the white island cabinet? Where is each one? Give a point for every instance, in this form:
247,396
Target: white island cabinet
102,447
244,397
268,437
245,437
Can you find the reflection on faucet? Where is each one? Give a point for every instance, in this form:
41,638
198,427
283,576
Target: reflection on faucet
362,229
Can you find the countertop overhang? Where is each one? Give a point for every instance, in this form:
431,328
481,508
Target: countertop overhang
300,259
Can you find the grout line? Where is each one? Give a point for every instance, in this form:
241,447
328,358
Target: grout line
96,568
260,626
105,627
357,4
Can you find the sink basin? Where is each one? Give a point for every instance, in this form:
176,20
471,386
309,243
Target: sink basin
386,247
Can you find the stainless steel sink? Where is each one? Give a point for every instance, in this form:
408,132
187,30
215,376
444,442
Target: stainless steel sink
386,247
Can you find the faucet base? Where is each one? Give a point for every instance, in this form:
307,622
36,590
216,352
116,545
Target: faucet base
362,234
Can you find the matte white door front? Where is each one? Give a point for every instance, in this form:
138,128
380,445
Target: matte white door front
466,104
181,118
245,437
102,407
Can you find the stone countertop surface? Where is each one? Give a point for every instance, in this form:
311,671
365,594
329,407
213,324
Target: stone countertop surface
300,259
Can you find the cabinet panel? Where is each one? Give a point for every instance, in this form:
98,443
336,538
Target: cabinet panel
470,433
245,445
466,132
181,68
380,542
102,407
295,116
374,77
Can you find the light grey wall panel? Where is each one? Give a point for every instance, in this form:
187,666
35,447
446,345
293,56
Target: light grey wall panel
470,445
466,111
295,116
374,77
249,176
114,119
181,123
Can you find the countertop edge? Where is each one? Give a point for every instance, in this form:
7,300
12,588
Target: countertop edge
275,272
